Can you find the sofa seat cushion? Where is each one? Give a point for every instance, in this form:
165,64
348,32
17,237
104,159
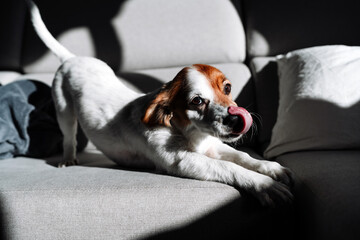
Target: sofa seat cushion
328,193
83,202
100,200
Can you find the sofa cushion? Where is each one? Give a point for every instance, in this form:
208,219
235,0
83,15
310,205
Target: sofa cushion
139,34
319,101
147,80
100,200
266,85
279,26
327,192
88,202
150,79
8,77
12,21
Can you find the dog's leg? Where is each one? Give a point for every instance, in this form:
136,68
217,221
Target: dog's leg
269,168
198,166
67,121
68,126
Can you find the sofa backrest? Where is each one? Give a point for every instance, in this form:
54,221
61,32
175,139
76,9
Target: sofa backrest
12,19
138,34
278,26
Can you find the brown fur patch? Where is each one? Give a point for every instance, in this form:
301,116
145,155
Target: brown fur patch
156,112
217,81
169,105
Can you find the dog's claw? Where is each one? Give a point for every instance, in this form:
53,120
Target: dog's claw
68,163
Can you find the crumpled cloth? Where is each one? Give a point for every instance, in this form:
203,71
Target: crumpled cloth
28,125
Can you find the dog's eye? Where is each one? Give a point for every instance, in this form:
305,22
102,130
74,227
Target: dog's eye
197,101
227,89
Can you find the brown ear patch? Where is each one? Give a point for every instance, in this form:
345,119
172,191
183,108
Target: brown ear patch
169,104
158,112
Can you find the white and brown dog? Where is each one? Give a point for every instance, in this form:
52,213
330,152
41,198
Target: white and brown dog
179,128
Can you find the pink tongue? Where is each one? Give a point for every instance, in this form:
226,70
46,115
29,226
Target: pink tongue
245,116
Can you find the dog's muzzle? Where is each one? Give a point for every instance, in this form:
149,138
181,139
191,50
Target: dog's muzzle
239,120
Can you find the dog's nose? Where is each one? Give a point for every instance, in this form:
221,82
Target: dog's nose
231,121
239,119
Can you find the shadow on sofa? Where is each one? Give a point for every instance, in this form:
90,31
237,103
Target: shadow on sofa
2,222
241,217
94,15
142,82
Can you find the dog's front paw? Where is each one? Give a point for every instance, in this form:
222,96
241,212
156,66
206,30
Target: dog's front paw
270,192
277,172
68,163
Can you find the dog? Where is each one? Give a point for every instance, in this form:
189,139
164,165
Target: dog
181,129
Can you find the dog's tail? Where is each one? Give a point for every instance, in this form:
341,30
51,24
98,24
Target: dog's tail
59,50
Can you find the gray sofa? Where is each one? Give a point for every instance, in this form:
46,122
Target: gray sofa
147,42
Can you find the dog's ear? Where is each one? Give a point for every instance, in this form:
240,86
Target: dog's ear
158,112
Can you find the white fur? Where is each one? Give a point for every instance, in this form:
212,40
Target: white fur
59,50
86,90
199,85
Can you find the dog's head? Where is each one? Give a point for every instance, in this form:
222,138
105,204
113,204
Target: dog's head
200,98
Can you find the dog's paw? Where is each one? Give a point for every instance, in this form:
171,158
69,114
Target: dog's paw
68,163
277,172
270,192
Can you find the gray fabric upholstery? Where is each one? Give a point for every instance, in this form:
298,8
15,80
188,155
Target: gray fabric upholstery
12,18
328,195
99,200
126,34
149,79
266,85
8,77
83,202
278,26
147,43
238,73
